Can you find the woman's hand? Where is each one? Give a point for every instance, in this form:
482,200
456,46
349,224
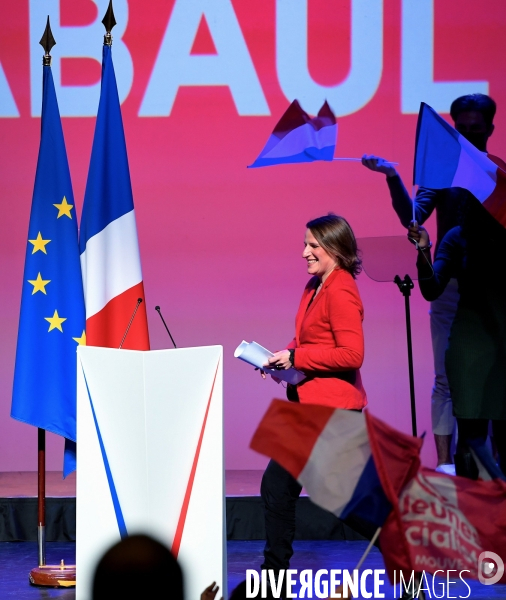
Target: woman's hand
378,164
418,235
280,361
262,373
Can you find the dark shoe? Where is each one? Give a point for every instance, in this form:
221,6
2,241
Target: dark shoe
465,465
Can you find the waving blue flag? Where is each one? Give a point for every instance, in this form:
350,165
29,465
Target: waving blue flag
52,318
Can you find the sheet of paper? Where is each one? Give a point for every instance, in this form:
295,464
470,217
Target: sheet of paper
257,356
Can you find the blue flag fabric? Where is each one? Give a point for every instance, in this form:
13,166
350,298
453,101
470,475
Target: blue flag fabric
108,193
52,317
437,150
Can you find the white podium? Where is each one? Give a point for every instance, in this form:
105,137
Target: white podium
150,458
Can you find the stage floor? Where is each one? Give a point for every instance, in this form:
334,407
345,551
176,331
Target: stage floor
16,560
323,541
23,484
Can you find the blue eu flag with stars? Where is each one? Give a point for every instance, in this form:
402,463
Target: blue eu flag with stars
52,317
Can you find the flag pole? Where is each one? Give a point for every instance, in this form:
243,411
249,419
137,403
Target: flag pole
41,495
47,42
47,575
339,589
368,549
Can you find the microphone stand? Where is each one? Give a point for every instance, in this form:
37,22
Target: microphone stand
405,286
139,301
382,258
157,308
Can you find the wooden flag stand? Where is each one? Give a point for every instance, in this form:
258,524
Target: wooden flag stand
54,575
61,575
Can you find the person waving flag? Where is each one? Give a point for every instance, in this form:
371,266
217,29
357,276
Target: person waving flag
444,158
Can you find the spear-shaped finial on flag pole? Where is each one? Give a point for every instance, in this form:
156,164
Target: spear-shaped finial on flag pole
47,41
109,22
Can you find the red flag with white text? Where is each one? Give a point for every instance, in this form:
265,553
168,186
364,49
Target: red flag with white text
443,523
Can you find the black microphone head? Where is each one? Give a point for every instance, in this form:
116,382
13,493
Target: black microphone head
139,300
157,308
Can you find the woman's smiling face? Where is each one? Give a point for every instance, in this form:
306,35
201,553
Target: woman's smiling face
319,262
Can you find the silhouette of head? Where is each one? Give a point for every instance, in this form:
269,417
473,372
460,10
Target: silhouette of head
138,567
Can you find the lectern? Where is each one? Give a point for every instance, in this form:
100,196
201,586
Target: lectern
150,458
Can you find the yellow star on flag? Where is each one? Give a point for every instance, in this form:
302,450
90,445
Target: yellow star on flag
55,321
64,208
81,340
39,284
39,244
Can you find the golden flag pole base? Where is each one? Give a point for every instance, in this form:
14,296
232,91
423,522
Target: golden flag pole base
61,575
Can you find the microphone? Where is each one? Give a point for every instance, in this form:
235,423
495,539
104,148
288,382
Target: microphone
157,308
139,301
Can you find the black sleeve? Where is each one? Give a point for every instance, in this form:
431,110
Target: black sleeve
433,278
403,206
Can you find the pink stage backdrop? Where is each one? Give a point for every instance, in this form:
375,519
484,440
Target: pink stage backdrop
202,84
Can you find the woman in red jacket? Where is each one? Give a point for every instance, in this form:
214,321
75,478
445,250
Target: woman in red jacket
329,348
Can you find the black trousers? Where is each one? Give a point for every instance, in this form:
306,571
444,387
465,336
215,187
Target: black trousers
477,429
279,491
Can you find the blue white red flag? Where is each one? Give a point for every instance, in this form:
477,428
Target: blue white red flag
444,159
353,463
52,320
329,452
298,138
110,258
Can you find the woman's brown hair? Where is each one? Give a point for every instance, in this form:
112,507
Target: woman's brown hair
336,237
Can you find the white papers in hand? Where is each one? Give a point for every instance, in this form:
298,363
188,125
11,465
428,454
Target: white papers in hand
257,355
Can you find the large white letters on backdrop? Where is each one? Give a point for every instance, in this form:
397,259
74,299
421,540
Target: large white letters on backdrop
366,57
8,107
231,66
73,42
417,77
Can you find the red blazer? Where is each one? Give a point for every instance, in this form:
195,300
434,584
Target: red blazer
329,343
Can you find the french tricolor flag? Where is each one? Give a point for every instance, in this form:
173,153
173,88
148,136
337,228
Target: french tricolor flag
110,259
338,456
298,138
444,159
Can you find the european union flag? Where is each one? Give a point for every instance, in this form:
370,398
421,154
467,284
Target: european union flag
52,318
